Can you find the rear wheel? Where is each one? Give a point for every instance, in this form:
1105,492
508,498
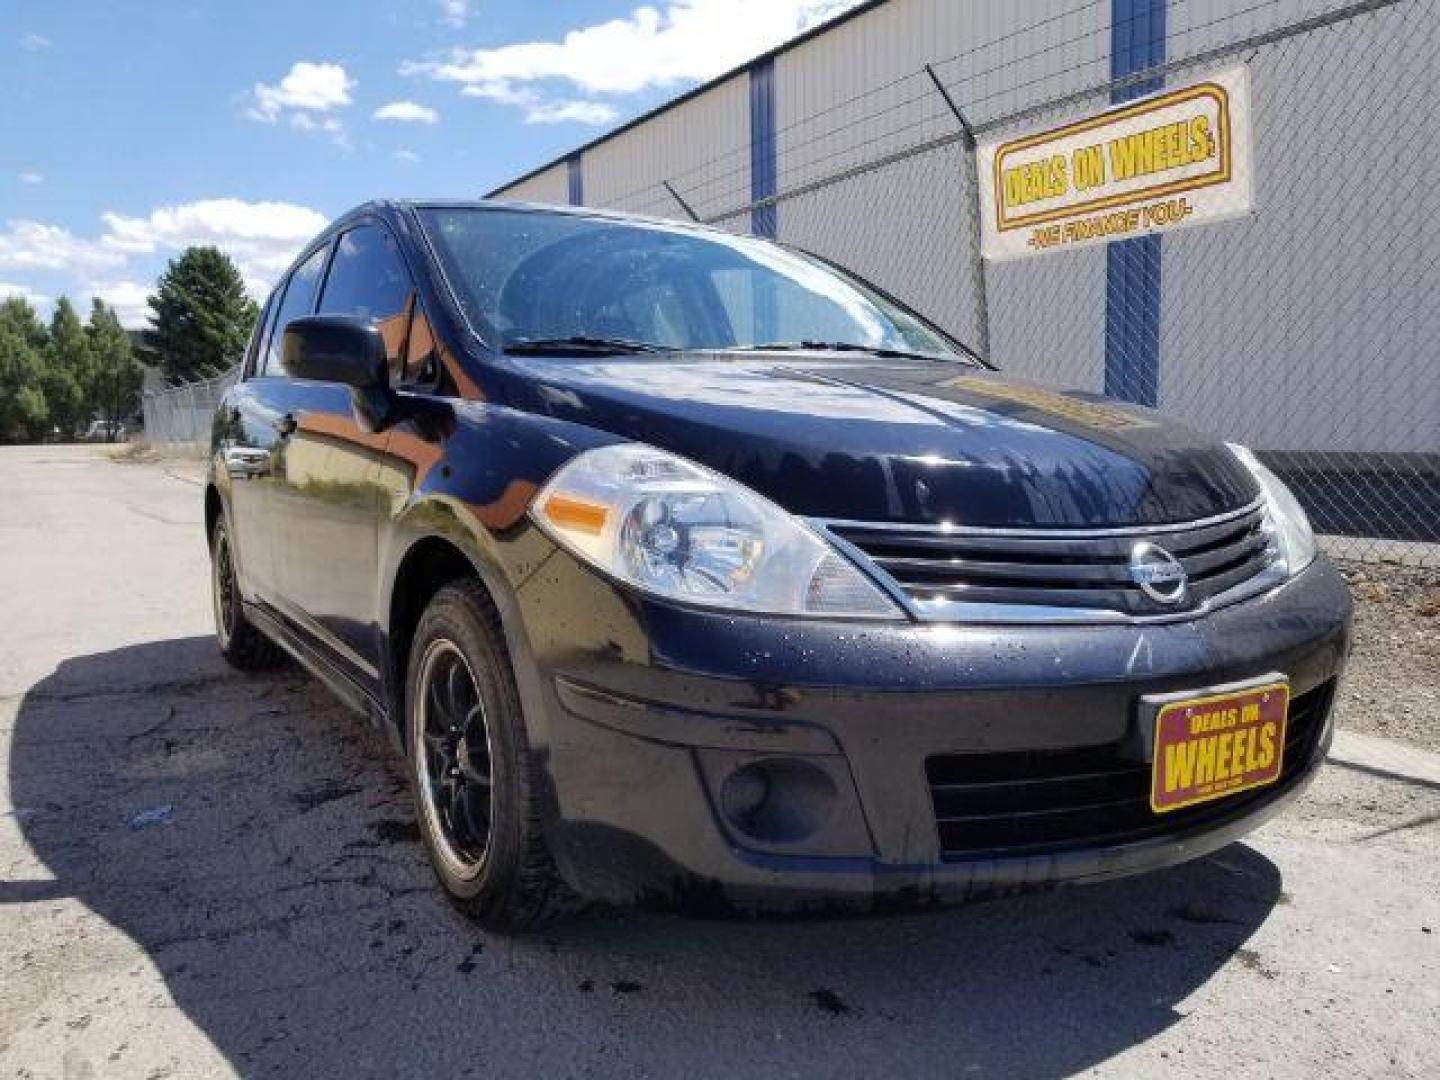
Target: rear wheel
475,782
240,643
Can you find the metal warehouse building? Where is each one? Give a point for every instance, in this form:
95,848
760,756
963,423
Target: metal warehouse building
1307,327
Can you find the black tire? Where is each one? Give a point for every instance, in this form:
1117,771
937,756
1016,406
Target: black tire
242,645
484,839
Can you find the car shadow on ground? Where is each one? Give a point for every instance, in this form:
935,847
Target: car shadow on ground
257,842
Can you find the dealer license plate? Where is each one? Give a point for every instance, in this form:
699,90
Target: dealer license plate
1217,742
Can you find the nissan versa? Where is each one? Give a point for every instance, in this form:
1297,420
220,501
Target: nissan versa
687,567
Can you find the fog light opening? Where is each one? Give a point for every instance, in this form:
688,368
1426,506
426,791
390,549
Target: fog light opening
778,800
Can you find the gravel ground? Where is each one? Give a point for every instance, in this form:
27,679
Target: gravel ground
1392,687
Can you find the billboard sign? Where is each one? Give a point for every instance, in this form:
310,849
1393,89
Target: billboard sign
1166,161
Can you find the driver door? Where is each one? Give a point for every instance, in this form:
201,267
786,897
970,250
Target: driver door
331,503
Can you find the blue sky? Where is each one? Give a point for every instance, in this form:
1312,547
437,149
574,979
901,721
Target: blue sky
133,127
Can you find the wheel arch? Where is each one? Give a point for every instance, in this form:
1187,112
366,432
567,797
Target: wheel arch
467,514
430,561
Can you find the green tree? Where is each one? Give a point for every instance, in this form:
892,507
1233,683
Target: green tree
115,376
17,316
24,412
200,315
24,415
67,373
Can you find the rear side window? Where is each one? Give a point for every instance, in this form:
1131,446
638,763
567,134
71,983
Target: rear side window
299,301
255,351
368,280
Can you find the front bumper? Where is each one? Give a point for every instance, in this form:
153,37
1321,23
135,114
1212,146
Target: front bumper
640,710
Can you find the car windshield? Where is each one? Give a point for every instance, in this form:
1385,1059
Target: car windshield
530,280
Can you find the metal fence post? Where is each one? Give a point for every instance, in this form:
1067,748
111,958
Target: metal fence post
972,178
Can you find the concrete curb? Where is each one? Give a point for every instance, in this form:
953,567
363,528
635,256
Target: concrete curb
1386,758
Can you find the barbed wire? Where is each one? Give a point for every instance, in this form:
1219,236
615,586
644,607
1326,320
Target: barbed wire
738,155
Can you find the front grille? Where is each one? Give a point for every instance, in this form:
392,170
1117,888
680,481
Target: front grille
1077,570
1047,801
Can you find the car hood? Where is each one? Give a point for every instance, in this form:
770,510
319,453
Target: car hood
900,440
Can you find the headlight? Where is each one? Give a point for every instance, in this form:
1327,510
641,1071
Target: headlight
670,527
1289,527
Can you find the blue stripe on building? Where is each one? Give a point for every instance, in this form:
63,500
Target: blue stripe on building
576,177
1132,267
764,221
763,172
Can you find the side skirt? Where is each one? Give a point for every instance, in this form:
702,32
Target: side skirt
337,681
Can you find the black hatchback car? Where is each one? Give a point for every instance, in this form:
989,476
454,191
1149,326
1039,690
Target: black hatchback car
684,566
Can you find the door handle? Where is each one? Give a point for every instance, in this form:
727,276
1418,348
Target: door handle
286,425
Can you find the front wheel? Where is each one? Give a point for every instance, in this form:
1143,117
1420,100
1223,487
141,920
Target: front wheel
241,644
475,783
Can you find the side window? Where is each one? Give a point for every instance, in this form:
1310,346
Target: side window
256,349
298,302
368,280
267,331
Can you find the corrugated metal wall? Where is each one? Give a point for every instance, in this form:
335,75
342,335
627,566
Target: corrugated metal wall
700,147
1260,321
549,186
859,92
1323,300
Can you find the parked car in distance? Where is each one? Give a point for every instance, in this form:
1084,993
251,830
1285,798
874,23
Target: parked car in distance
104,431
684,567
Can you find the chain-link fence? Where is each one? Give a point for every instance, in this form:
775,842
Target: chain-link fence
1307,328
183,413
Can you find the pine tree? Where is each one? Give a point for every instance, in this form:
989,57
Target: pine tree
17,316
201,316
116,377
66,374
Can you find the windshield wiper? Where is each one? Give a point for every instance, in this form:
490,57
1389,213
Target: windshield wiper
839,346
580,343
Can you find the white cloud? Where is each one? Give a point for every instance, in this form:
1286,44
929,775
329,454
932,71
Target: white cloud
407,112
537,109
407,156
687,41
502,93
31,178
262,237
24,292
35,42
577,112
454,12
128,298
328,124
31,245
306,88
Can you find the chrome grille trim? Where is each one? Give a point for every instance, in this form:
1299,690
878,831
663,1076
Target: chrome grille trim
1140,532
943,573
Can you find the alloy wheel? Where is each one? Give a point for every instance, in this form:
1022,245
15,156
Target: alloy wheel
453,758
223,589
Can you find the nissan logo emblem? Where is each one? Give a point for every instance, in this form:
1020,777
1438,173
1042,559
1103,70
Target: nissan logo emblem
1158,574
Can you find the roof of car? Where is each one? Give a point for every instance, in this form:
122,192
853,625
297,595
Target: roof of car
382,205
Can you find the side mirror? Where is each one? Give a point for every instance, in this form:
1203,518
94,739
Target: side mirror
336,348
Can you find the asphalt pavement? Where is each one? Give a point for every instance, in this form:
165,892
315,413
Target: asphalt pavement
208,874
